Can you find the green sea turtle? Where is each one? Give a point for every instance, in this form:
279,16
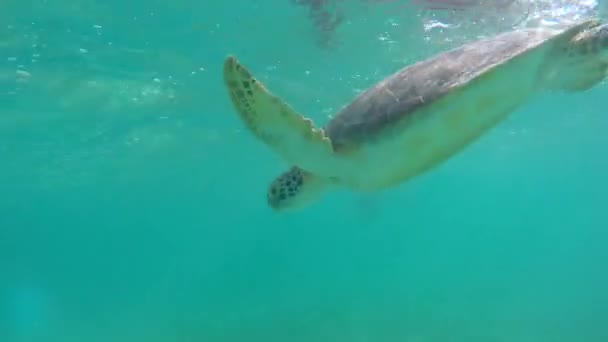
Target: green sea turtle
419,116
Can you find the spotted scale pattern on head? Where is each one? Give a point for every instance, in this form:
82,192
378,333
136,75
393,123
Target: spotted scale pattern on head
285,187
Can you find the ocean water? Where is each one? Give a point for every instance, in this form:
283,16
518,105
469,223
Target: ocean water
132,199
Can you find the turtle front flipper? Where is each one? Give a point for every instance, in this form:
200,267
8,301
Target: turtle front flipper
289,134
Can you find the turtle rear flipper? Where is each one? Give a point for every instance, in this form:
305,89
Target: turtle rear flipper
578,61
290,135
586,59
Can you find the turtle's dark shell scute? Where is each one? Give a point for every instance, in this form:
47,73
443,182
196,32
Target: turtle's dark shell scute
401,94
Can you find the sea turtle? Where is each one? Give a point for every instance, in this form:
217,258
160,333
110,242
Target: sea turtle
419,116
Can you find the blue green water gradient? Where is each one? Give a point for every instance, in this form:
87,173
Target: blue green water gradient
132,199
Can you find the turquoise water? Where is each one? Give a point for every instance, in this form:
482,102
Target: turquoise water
132,199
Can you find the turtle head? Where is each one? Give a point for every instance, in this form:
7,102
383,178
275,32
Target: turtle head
294,189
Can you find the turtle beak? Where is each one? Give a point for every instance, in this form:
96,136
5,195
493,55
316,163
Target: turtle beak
273,201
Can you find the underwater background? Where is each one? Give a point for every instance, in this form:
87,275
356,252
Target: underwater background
132,199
